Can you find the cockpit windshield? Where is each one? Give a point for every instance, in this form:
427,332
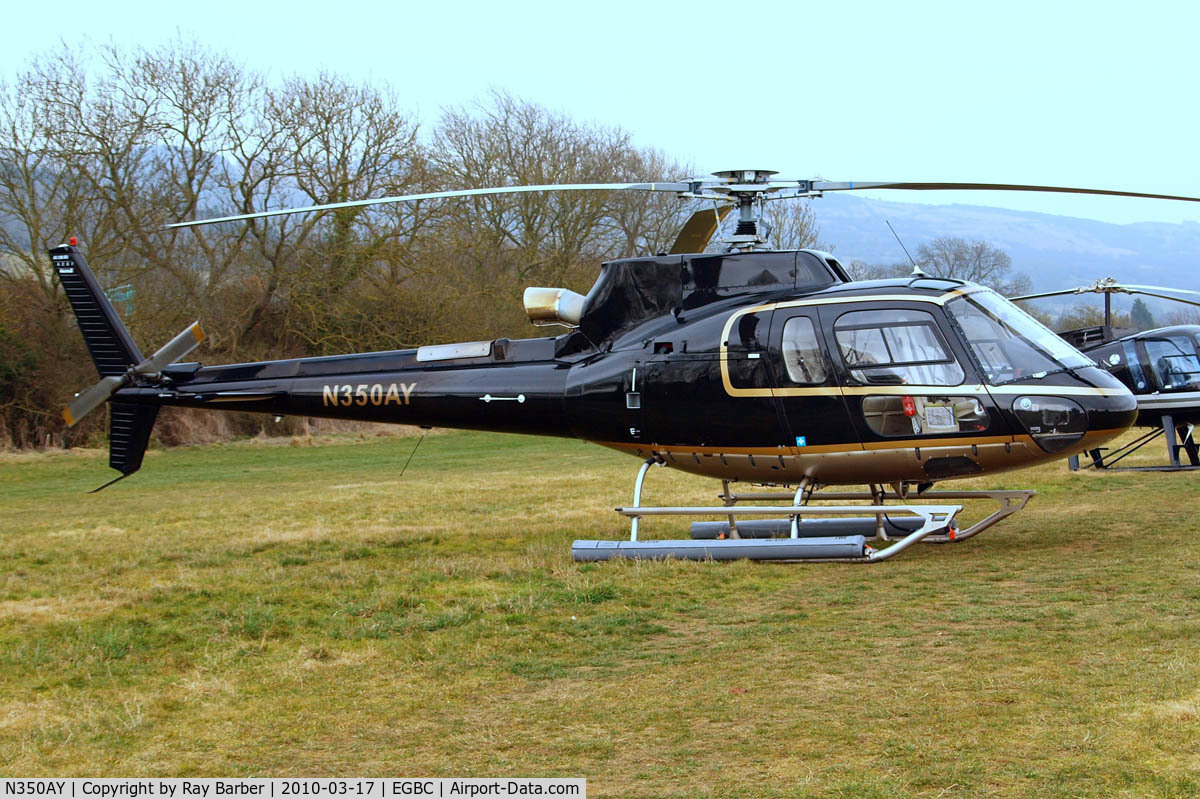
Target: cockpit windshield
1009,343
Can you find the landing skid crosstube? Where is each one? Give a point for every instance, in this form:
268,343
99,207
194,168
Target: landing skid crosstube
820,533
1179,439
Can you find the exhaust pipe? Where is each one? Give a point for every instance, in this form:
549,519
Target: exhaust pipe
546,306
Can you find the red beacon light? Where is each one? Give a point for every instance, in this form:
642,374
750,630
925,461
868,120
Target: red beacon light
72,241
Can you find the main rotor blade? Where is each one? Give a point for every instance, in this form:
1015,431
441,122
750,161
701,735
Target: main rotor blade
1160,288
434,195
91,398
699,229
172,351
1115,288
1166,296
1048,294
821,185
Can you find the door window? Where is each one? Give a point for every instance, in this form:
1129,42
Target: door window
802,352
895,347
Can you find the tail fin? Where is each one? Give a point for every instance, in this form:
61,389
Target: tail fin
114,354
129,427
110,344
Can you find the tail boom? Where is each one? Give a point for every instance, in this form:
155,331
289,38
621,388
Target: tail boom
513,398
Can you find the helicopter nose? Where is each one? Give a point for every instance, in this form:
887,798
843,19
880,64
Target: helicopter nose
1079,417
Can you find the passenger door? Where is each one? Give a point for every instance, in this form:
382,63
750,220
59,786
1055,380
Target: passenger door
806,385
904,381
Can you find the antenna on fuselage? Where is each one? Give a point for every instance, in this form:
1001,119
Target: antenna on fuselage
917,271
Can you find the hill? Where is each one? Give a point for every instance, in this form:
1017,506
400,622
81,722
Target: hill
1056,251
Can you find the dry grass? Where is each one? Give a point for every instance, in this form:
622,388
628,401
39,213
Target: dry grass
254,609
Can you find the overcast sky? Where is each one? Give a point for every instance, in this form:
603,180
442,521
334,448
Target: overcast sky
1097,94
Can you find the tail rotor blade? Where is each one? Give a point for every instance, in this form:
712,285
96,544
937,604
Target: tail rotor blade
172,351
96,395
91,398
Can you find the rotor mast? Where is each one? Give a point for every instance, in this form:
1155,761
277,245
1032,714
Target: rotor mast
747,187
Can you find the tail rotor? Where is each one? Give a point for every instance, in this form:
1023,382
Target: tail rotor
96,395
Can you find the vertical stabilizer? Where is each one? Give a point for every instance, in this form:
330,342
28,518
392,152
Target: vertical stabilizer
109,343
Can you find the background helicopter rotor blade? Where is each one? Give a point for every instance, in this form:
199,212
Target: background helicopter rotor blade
1166,296
1058,293
821,186
673,187
1113,287
699,229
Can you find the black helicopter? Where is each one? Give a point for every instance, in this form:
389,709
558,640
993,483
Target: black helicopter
767,367
1160,366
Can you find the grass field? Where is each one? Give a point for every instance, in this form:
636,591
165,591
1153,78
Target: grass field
263,609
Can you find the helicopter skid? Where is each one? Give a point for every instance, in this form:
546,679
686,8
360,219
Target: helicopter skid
934,520
1008,501
1180,439
846,549
839,537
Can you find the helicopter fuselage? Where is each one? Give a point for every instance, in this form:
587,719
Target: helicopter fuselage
763,366
1162,369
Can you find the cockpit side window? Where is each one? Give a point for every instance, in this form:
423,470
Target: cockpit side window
1174,361
802,352
895,346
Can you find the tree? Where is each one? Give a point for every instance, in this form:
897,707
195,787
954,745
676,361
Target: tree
1188,316
111,144
641,222
507,142
861,270
976,261
1084,315
1140,316
793,225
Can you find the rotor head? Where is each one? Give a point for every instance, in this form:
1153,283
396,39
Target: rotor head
748,188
